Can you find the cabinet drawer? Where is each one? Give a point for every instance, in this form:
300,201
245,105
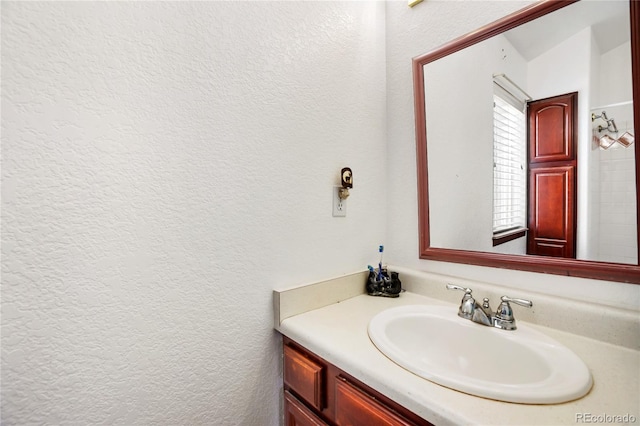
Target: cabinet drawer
356,408
304,376
296,414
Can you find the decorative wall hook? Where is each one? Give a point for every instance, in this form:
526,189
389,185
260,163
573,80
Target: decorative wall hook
346,177
346,180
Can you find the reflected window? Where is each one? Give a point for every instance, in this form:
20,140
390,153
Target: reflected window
509,163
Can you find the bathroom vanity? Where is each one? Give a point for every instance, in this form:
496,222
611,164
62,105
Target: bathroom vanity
317,392
332,370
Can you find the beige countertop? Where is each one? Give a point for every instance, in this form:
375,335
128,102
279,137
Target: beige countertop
337,332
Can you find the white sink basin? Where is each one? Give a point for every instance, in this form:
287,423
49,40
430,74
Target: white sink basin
523,365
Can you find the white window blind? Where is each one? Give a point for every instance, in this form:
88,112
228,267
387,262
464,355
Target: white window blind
509,162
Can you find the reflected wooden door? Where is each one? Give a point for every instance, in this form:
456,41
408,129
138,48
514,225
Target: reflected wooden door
552,176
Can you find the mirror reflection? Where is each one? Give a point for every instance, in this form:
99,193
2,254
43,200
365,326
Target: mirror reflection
531,140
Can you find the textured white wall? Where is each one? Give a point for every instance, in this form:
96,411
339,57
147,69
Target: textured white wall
412,32
165,166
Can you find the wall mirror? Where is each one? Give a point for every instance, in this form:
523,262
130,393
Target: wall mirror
570,72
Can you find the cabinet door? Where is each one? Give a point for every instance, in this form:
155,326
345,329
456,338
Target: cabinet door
296,414
356,408
552,180
551,129
552,212
305,376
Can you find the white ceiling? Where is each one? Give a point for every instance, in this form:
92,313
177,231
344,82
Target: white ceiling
609,19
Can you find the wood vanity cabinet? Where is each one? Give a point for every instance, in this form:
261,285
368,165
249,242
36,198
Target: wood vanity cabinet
318,393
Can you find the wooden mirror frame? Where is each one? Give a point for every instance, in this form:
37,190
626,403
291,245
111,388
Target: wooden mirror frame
569,267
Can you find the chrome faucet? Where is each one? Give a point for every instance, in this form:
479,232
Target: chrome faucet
482,314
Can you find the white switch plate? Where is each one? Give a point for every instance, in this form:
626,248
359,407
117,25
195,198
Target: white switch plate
339,205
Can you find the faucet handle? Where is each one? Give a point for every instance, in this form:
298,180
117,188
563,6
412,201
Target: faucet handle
521,302
457,287
467,304
504,315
